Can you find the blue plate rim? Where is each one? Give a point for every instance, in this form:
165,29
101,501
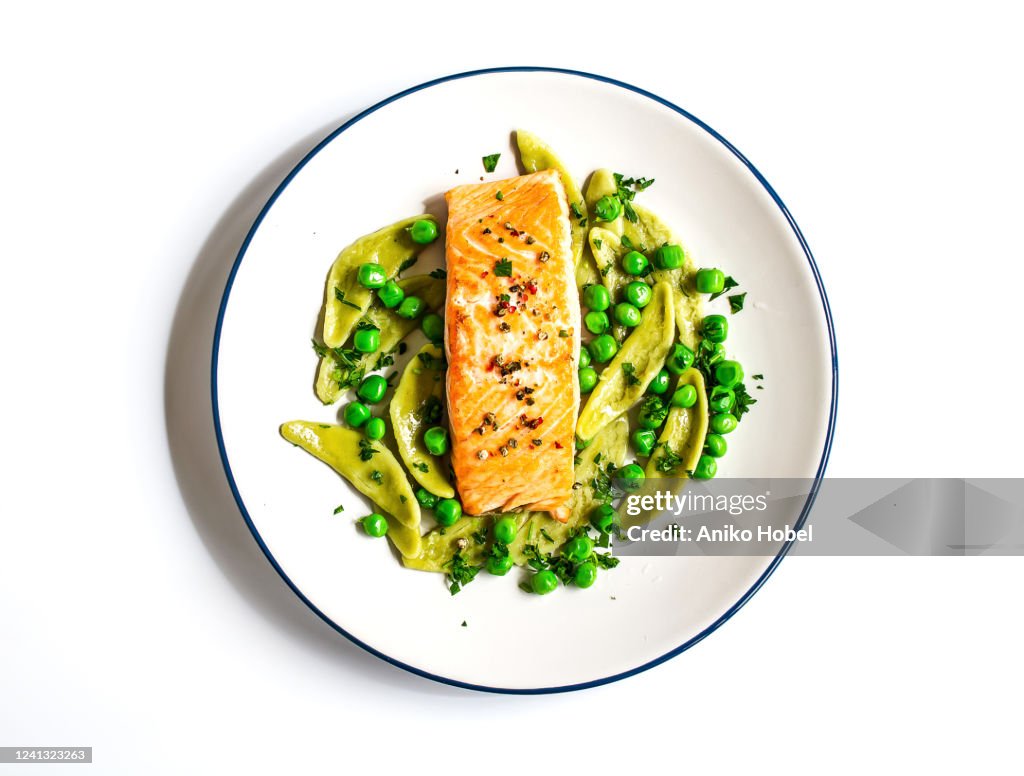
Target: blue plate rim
729,613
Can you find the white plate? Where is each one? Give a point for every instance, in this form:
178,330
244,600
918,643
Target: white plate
397,158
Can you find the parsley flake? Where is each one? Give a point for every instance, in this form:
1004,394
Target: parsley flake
503,268
491,161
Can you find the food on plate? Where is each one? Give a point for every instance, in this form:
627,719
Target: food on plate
416,412
512,337
463,422
371,468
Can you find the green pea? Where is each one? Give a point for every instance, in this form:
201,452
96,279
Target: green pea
436,440
715,446
707,467
710,281
669,257
423,232
588,379
447,511
411,307
729,373
660,383
627,314
544,582
372,389
680,359
684,397
499,565
596,297
604,518
608,208
356,414
391,294
715,328
723,423
375,428
596,323
426,498
643,440
578,548
584,357
366,340
586,575
603,348
722,399
372,275
634,262
433,326
638,294
505,530
631,476
375,525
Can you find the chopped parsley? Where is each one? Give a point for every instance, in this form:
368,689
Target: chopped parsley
757,377
480,536
385,359
438,274
377,477
490,162
460,573
598,243
668,462
499,196
626,242
339,509
654,408
366,450
503,268
546,535
601,484
429,361
730,283
563,333
407,263
605,561
340,296
348,371
429,411
576,210
626,189
743,400
630,372
736,302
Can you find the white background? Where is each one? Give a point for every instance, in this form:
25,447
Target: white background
137,615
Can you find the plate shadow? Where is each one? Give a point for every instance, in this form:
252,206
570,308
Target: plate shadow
200,476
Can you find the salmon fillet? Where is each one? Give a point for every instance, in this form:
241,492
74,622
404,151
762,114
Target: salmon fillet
512,337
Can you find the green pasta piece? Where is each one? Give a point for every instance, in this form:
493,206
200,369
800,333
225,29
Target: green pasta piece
536,155
421,389
645,350
371,469
682,437
393,329
345,298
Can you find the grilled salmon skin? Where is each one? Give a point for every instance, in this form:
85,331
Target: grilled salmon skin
512,337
